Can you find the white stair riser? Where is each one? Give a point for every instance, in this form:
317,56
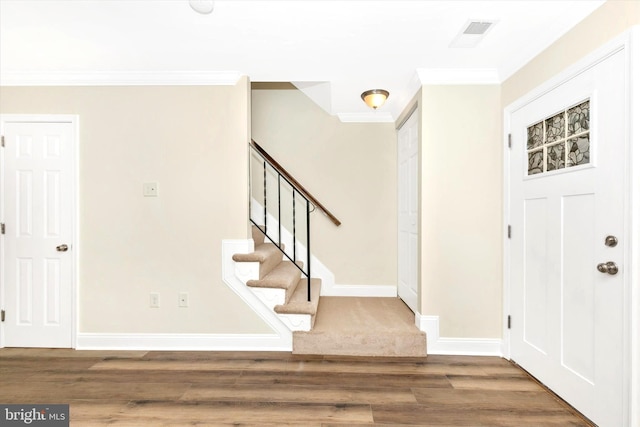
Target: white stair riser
296,322
269,296
246,271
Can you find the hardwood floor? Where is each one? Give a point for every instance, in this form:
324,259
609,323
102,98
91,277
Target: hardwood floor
268,389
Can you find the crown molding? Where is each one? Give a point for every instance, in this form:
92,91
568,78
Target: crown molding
458,76
119,78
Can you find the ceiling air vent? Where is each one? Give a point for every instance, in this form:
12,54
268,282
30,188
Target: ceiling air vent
471,34
477,28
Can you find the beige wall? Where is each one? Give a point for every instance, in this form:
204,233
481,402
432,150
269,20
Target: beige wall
350,168
192,141
606,22
461,202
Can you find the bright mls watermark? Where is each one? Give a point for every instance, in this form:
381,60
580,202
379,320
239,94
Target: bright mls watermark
34,415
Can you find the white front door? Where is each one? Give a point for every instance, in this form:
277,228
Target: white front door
567,196
38,213
408,212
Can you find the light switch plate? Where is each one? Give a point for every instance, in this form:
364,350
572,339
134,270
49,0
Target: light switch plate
154,300
183,299
150,189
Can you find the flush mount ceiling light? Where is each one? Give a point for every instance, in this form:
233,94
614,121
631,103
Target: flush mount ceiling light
204,7
374,98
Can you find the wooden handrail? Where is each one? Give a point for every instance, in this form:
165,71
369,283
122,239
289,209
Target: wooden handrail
293,181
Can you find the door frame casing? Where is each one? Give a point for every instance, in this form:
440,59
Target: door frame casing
73,120
629,42
413,109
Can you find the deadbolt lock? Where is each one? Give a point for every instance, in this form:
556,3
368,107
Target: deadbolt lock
611,241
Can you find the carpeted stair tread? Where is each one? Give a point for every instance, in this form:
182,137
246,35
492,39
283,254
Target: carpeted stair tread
355,326
284,276
298,303
261,253
267,254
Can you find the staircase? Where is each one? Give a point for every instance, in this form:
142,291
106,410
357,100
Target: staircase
381,327
282,282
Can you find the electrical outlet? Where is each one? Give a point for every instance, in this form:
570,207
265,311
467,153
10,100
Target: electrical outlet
154,300
183,299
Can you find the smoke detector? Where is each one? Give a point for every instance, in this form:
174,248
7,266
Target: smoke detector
472,33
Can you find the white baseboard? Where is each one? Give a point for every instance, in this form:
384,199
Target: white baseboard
180,342
455,346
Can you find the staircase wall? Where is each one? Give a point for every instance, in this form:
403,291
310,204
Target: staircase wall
350,168
318,268
192,140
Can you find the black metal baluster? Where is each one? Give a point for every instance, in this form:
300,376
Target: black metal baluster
305,272
264,184
308,256
294,223
279,217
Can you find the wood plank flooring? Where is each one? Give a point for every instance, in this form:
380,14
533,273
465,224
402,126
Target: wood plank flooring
269,389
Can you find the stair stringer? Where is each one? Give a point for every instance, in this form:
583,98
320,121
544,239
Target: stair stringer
282,337
269,297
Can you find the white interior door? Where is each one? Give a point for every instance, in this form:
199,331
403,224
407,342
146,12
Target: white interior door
408,212
567,183
37,209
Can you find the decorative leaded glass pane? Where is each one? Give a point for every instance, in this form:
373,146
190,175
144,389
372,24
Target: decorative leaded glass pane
560,141
555,157
535,162
555,128
578,151
578,118
534,136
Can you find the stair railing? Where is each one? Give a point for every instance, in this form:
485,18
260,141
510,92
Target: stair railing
286,183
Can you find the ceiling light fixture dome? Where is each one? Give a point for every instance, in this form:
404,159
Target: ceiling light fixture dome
374,98
204,7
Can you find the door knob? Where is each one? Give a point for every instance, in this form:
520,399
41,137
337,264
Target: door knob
611,241
608,267
62,248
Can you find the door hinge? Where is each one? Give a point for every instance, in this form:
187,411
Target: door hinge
2,140
2,228
1,315
509,322
508,232
509,140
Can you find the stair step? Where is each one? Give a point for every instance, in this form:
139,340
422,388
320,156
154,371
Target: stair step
284,276
267,254
298,303
352,326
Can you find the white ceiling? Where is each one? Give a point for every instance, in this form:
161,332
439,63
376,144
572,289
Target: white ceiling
333,50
